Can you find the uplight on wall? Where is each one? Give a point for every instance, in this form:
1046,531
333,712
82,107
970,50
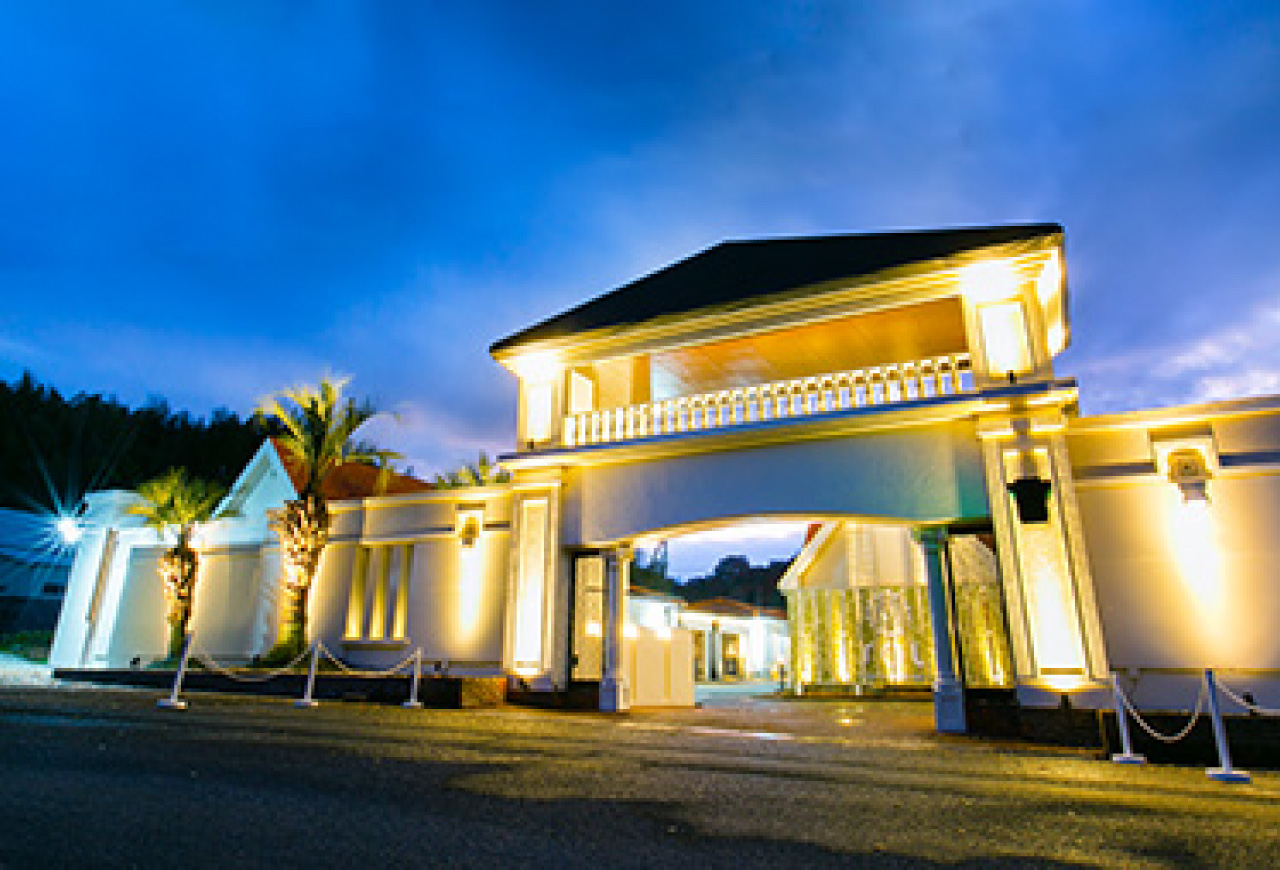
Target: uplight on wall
990,281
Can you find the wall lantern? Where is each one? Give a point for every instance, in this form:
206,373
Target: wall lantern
467,527
1189,471
1031,495
1186,461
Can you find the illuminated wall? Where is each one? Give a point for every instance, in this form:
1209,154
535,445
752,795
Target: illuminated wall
858,608
1185,583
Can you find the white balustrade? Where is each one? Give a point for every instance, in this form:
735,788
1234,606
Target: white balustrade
778,400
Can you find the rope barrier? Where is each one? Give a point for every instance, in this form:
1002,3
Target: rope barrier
355,672
1247,704
1156,735
212,664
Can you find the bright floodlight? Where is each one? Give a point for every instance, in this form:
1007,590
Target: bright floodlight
69,529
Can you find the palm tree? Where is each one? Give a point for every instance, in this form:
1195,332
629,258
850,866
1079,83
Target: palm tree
177,504
318,430
483,472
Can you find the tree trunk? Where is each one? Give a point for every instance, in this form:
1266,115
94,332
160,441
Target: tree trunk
294,640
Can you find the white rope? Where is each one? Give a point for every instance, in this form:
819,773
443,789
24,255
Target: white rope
1248,705
209,662
354,672
1165,738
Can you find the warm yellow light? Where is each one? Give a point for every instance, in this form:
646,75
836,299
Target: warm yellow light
1050,280
629,631
1056,336
1004,337
1055,628
990,281
470,587
662,633
538,399
1064,682
594,629
541,366
1198,560
525,671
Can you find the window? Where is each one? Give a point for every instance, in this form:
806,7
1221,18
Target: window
378,605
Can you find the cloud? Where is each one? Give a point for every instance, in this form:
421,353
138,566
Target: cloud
1234,360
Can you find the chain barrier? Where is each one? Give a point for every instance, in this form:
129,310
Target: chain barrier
1251,706
1156,735
212,664
1225,771
356,672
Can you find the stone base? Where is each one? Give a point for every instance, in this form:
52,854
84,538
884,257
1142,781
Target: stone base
615,695
948,707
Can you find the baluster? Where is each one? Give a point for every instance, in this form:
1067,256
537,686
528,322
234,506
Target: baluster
910,381
964,373
893,387
928,387
953,375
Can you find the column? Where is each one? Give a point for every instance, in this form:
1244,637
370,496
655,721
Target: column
948,694
615,695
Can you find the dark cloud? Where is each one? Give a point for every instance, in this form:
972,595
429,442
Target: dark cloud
208,199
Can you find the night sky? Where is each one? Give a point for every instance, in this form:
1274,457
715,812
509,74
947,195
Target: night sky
209,200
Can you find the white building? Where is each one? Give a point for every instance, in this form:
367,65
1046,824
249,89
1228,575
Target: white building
897,389
732,640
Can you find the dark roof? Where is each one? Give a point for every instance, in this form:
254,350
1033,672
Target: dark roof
732,272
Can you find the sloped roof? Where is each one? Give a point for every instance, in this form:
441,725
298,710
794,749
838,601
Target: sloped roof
734,272
352,480
733,607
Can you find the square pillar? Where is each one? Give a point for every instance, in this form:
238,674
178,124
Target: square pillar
948,692
615,694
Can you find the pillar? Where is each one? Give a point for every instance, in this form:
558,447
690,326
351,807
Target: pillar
615,695
948,693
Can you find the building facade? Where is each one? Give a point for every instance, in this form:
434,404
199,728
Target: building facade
896,390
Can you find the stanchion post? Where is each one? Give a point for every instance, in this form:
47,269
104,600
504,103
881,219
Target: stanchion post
306,700
413,703
173,702
1224,772
1126,755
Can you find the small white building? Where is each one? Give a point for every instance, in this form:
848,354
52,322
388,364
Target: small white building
732,640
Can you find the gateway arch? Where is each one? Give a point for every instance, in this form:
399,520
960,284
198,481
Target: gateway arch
900,378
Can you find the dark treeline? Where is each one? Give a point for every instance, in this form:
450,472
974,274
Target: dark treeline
734,577
54,449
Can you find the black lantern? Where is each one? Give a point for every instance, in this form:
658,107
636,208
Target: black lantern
1031,494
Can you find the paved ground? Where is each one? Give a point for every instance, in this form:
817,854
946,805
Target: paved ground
102,778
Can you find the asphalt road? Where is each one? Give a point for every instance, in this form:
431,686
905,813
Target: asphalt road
93,778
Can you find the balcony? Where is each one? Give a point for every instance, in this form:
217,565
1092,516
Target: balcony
790,399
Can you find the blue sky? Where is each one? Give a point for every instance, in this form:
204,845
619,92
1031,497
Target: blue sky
209,200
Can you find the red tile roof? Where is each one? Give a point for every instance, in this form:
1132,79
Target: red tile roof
352,480
733,607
